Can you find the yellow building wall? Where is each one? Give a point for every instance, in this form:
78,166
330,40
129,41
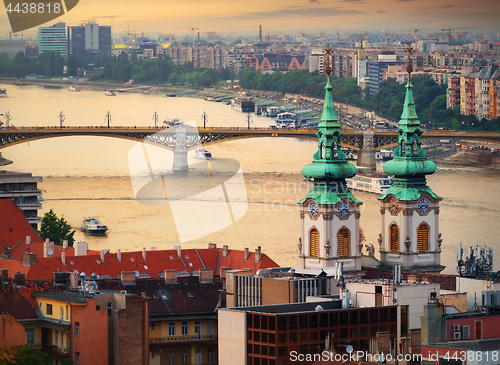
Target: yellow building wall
57,307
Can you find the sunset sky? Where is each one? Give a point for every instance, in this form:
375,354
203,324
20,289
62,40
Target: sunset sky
277,17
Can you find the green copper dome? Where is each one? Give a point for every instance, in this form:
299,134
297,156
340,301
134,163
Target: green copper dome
329,161
329,168
409,165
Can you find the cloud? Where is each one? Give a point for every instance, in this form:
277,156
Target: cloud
447,6
354,1
293,11
381,11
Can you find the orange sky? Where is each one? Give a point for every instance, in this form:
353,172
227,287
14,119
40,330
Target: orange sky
244,17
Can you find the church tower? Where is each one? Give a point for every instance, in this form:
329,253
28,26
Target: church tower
410,209
329,213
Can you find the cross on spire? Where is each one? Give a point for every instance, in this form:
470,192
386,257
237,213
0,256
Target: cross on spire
409,63
328,52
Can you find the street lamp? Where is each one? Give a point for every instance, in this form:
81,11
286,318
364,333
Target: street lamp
155,118
61,118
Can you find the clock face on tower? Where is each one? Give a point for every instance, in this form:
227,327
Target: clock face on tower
423,205
393,204
313,209
343,209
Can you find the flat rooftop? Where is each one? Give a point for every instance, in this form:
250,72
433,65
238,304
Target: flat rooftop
291,308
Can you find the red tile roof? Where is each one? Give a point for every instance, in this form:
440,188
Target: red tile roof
13,302
14,227
154,264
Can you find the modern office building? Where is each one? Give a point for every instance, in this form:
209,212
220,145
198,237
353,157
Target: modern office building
377,68
90,40
53,38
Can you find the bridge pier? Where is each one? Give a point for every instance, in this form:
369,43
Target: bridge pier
180,151
366,156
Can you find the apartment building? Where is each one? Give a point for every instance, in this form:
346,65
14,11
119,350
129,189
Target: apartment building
53,38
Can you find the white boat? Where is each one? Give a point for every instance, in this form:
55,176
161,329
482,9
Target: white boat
287,120
3,93
371,182
110,93
384,155
92,225
203,154
273,111
73,88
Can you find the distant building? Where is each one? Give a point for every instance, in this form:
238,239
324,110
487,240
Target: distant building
377,68
90,40
22,188
273,62
315,62
453,92
53,38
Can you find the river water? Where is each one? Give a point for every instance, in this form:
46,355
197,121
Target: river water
90,175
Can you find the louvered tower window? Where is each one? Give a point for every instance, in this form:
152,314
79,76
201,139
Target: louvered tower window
314,243
343,243
394,236
423,237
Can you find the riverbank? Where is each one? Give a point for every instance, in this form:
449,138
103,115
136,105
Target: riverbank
4,161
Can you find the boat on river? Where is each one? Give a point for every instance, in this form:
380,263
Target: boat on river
370,181
3,93
92,225
73,88
110,93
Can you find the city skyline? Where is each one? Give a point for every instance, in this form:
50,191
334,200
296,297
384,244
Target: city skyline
309,16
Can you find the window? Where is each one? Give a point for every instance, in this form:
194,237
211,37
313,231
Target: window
30,333
62,339
394,236
314,243
171,329
67,311
77,358
49,309
77,329
343,242
184,328
211,355
197,356
57,338
171,357
423,237
62,313
110,309
197,330
185,357
210,327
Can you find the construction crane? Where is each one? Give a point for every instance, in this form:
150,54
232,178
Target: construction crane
450,29
107,16
269,37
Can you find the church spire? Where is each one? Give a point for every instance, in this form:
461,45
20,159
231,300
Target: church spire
409,165
330,165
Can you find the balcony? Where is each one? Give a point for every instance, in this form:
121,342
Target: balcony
192,338
55,350
36,346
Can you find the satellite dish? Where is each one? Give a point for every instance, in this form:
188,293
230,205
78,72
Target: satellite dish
50,251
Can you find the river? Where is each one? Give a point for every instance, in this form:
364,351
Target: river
90,175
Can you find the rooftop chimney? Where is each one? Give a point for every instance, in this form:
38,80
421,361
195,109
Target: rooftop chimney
128,278
153,248
81,248
206,275
63,257
170,276
144,253
65,244
19,278
28,259
225,251
48,248
5,274
119,254
247,254
178,249
258,255
28,240
103,253
212,245
73,280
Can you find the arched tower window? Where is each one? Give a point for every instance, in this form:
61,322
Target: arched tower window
423,237
415,147
343,243
394,237
322,148
314,243
335,150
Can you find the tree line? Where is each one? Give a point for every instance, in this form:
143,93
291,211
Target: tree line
430,97
122,68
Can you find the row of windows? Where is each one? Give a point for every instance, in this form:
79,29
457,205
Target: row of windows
185,328
49,311
198,356
422,237
343,243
